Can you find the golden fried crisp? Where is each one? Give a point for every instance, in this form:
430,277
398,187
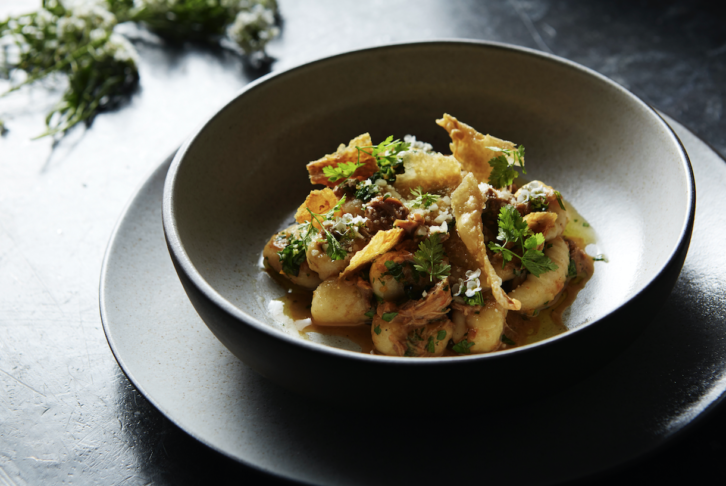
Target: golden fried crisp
470,147
345,154
467,202
432,172
319,202
382,242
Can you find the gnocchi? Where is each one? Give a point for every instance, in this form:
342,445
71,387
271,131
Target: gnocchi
433,252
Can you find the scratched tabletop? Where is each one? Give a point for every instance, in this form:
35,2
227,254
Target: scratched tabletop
68,414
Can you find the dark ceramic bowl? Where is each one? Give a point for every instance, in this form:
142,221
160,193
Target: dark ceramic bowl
241,176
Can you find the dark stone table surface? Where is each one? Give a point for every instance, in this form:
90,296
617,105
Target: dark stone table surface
68,415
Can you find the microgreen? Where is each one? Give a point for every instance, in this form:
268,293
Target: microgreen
423,199
429,258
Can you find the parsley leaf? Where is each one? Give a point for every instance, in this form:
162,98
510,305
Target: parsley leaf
377,330
428,258
441,335
462,347
334,250
503,173
395,270
476,299
365,192
430,347
387,155
423,199
389,316
513,229
572,269
342,171
370,315
293,255
537,263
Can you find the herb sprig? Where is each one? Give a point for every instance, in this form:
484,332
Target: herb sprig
342,171
334,250
503,172
423,199
388,158
77,41
429,258
513,229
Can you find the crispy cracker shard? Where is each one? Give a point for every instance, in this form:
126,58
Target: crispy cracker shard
349,154
429,172
319,202
382,242
471,147
467,202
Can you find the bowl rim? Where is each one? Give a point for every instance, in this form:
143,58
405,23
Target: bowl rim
182,259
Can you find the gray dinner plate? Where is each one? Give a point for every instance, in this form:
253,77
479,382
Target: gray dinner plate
668,377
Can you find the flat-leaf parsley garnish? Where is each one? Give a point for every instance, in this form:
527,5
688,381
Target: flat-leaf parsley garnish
335,250
429,258
462,347
513,229
293,255
387,155
503,172
342,171
423,199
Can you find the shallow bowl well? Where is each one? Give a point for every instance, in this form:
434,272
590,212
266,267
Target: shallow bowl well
240,178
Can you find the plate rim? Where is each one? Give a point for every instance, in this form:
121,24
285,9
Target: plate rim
665,440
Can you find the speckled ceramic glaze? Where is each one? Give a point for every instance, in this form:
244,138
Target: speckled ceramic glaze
241,176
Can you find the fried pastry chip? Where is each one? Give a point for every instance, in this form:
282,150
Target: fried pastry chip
470,147
467,203
431,171
345,154
319,202
382,242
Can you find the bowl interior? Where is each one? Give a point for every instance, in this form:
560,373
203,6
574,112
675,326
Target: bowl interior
612,158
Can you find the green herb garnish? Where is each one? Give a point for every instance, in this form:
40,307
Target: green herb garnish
429,258
389,316
335,250
441,335
462,347
342,171
513,229
508,341
423,199
476,299
293,255
430,346
387,157
395,270
377,330
559,200
503,173
571,269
